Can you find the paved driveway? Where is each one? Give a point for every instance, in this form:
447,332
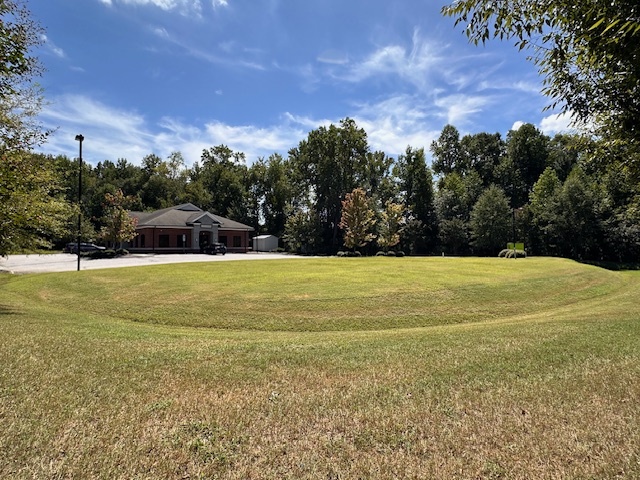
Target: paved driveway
66,262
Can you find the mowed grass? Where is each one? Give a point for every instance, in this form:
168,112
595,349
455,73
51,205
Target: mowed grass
322,368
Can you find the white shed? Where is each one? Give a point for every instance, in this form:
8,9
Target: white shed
265,243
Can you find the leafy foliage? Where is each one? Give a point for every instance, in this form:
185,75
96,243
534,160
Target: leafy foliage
32,208
358,219
118,225
491,221
390,225
587,52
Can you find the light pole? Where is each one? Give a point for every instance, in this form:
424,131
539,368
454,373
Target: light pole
79,138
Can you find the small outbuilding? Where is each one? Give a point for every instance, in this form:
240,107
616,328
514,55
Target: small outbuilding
265,243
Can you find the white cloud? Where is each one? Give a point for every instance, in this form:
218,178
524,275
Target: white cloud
57,51
557,123
458,108
111,133
219,3
333,57
415,66
517,124
394,123
185,7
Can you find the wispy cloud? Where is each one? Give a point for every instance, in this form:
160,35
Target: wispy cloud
53,48
415,65
185,7
458,109
113,133
219,3
226,57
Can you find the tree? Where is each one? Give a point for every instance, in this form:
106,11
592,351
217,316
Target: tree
578,225
358,219
273,188
302,231
32,207
330,163
224,175
543,202
415,183
390,225
491,222
483,153
447,152
587,52
118,225
18,35
33,210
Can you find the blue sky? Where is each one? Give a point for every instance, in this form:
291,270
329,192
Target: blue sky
156,76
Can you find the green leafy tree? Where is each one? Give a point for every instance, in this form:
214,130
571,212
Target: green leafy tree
390,225
358,219
587,52
483,153
224,175
415,184
303,231
330,163
577,222
118,225
272,185
33,209
491,221
527,154
447,152
543,206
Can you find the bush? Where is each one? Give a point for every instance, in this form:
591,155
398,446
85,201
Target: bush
400,254
380,254
349,254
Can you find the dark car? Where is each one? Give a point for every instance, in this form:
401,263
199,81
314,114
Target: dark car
84,247
214,248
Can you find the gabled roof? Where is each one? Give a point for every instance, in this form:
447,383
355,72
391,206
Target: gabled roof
185,215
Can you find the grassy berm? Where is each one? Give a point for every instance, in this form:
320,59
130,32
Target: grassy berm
350,368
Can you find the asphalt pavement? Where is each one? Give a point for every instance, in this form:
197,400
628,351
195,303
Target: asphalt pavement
67,262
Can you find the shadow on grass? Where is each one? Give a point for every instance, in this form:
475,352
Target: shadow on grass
615,266
6,310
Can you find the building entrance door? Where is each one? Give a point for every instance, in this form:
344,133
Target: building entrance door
204,239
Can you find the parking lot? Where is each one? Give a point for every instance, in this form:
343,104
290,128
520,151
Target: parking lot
66,262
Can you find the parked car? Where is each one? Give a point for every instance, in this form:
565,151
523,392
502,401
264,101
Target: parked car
214,249
84,247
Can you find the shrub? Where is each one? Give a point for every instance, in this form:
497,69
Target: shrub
391,253
380,254
349,254
400,253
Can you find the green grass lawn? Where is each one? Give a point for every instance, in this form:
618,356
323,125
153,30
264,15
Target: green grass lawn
322,368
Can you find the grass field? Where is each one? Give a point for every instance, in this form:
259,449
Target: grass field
322,368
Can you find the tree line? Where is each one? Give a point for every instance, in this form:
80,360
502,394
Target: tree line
480,192
570,195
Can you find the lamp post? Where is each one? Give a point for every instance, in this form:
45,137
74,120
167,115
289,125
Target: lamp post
79,138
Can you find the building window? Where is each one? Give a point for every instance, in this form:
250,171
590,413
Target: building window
237,241
223,240
142,241
163,241
182,240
